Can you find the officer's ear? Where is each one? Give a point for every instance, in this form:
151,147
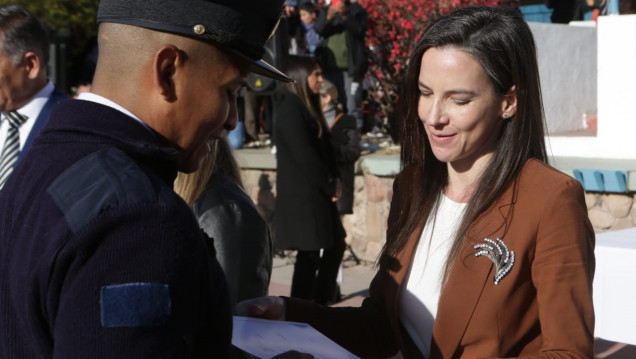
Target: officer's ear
164,67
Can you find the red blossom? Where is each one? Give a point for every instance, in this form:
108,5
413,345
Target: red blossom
394,26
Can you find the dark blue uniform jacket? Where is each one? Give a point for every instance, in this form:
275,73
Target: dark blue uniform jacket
99,258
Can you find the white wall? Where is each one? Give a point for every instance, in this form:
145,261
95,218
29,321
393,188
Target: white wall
616,136
567,68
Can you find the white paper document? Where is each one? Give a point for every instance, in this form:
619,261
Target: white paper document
268,338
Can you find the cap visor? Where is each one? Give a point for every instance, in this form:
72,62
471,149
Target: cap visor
261,67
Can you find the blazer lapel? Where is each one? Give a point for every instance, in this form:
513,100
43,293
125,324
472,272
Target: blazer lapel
467,280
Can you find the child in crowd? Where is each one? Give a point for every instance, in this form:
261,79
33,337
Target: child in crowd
308,13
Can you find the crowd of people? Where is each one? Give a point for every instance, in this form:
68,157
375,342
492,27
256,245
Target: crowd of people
125,230
334,35
564,11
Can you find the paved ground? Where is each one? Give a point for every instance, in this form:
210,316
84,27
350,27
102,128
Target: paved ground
354,288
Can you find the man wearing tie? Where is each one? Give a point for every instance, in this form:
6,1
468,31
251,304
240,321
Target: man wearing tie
26,93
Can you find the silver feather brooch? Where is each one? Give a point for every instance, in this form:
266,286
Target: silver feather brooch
499,254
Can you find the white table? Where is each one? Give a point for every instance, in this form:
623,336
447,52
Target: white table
615,286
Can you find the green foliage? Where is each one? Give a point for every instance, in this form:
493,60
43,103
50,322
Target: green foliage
70,22
73,17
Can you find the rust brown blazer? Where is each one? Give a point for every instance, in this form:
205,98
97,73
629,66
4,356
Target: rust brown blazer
541,309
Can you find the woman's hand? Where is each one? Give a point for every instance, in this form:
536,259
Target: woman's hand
338,192
271,307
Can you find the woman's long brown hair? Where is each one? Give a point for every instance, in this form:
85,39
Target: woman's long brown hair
501,41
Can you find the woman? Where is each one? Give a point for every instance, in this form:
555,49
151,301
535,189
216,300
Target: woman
307,185
489,250
227,214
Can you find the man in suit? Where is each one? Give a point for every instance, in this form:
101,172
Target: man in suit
25,90
99,257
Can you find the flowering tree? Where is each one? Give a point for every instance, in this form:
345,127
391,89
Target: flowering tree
394,28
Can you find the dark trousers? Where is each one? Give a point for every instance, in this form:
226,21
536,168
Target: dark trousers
315,277
349,94
257,110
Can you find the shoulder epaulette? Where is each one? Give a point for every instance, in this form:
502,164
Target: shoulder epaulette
102,180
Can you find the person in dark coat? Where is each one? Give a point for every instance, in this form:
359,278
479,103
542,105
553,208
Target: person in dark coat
307,185
346,139
228,215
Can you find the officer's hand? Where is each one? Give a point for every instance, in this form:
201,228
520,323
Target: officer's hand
332,11
271,307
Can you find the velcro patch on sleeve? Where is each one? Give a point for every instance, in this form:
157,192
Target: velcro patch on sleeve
135,305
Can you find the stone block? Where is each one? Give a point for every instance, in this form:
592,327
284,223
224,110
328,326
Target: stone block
359,199
591,200
374,188
359,244
347,220
372,251
376,220
388,188
250,176
618,205
358,183
359,227
349,226
601,219
632,214
623,223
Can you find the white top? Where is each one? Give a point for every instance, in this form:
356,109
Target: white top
420,296
32,110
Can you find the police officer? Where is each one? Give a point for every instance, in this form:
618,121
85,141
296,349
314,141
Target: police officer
99,258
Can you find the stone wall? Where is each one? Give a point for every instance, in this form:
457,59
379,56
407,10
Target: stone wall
366,227
610,212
